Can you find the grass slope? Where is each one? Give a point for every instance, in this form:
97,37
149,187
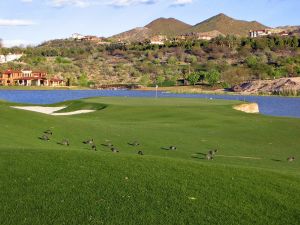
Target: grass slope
46,183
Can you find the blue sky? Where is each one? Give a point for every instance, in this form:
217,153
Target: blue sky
34,21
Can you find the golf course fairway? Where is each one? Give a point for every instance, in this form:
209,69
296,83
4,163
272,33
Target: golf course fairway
249,181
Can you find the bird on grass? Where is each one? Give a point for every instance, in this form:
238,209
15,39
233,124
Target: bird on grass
94,147
209,156
135,144
291,159
140,152
88,142
49,132
109,145
213,152
65,142
114,150
44,137
172,148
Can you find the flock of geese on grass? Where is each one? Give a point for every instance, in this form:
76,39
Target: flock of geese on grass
48,133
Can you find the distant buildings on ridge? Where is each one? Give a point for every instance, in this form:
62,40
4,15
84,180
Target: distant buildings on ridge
268,32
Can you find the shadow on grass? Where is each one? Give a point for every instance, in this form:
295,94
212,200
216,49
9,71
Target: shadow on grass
276,160
199,155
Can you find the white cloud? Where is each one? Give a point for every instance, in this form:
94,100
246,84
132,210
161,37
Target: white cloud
15,22
181,2
117,3
131,2
27,1
77,3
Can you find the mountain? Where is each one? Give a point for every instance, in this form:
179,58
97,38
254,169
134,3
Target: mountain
172,27
161,26
167,26
226,25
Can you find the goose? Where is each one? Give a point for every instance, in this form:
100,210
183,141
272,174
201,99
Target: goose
88,142
114,150
49,132
209,157
135,144
65,142
94,147
291,159
44,137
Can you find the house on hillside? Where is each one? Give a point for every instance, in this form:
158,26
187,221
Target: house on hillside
10,57
28,78
8,76
158,40
77,36
259,33
267,32
2,59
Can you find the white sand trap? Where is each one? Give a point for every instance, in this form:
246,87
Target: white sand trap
51,110
247,108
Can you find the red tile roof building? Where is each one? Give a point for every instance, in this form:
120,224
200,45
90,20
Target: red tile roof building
28,78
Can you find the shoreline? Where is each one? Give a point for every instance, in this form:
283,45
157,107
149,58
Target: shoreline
171,89
195,90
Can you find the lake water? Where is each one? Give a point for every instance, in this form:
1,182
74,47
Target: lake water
269,105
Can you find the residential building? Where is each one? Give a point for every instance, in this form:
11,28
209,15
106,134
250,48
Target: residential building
2,59
77,36
10,57
28,78
259,33
267,32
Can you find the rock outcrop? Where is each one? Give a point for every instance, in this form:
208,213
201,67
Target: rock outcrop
282,86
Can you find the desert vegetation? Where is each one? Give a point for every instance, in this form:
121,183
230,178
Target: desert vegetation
221,62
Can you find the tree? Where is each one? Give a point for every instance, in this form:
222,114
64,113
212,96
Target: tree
145,79
193,78
251,61
213,76
83,80
160,79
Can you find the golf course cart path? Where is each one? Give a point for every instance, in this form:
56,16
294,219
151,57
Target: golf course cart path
51,110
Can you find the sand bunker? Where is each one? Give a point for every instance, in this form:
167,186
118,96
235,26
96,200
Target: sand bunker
51,110
247,108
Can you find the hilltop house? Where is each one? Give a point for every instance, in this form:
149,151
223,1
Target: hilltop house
267,32
28,78
10,57
79,37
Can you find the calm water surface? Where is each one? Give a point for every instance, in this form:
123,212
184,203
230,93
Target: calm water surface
275,106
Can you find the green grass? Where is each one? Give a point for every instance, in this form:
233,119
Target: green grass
46,183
